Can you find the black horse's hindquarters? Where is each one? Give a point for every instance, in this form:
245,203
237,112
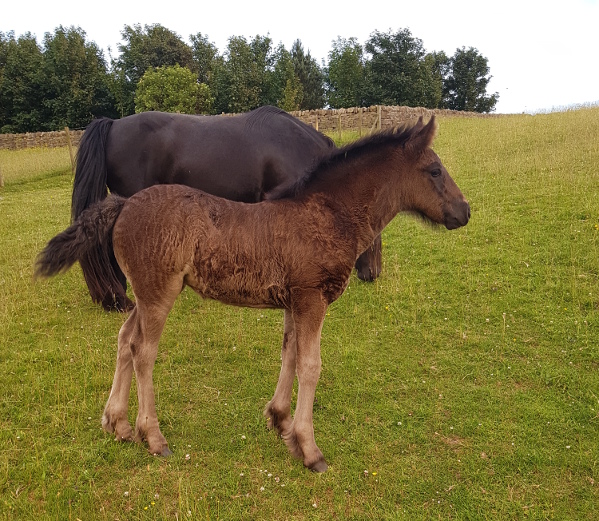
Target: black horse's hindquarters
240,158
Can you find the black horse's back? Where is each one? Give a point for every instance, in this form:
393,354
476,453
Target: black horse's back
89,185
238,157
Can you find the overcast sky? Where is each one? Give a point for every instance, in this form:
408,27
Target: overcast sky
542,53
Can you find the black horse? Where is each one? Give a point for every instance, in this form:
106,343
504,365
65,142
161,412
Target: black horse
241,158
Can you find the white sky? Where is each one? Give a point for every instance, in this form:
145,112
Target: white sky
543,54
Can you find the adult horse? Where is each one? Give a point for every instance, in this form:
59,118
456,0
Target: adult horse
241,158
292,253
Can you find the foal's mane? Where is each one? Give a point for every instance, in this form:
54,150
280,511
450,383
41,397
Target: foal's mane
394,137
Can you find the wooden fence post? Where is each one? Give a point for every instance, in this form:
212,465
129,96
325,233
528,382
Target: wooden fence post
378,117
360,120
66,129
339,125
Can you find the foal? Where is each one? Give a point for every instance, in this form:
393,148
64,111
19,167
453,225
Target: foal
294,252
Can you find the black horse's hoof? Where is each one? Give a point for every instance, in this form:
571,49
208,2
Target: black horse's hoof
118,303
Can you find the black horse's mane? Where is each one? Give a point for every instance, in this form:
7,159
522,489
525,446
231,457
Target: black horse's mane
397,136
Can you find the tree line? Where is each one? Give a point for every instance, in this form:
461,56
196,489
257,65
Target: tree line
67,81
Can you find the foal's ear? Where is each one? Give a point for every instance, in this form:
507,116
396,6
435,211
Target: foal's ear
422,137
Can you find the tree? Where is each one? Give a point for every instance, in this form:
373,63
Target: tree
205,56
437,66
21,100
310,76
396,73
75,80
5,40
284,88
172,89
345,74
465,87
152,46
242,81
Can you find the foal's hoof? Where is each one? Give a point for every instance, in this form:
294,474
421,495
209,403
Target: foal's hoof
165,452
120,428
319,466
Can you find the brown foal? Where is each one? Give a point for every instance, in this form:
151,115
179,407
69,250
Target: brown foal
293,252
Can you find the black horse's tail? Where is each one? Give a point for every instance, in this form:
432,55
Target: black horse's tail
89,185
105,280
89,237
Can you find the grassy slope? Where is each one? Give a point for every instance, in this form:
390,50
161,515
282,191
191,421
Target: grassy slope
464,381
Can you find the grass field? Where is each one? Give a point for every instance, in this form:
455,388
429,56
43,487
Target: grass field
462,384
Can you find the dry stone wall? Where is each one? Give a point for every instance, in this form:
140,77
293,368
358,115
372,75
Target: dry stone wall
59,138
366,119
360,119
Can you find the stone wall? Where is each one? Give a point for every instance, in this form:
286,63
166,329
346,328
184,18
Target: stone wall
366,119
359,119
59,138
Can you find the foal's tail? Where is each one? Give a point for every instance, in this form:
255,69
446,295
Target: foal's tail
90,236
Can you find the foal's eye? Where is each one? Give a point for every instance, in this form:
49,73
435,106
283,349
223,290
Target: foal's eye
436,172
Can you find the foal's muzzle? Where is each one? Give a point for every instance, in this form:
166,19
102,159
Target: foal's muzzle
458,216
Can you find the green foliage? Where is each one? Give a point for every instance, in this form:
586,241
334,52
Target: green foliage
292,93
345,74
67,82
172,89
396,73
436,65
285,89
462,384
310,76
75,80
241,80
205,57
150,46
21,81
465,87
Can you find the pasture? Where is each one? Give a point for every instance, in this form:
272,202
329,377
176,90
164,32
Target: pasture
461,384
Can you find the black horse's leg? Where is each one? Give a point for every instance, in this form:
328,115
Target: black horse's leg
117,299
370,264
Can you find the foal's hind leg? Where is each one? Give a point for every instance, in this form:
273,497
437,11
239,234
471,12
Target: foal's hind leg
144,348
114,418
278,410
138,348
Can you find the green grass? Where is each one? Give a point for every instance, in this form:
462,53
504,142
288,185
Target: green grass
464,381
23,166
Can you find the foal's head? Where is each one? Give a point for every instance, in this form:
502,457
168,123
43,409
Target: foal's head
429,190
